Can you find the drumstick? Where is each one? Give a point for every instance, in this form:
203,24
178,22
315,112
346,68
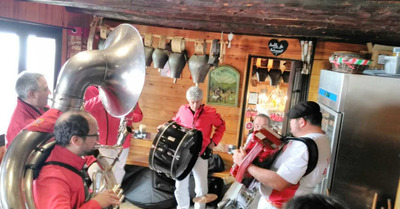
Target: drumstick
374,201
389,204
397,201
327,192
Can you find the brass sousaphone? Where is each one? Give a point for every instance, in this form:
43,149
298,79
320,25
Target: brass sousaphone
118,71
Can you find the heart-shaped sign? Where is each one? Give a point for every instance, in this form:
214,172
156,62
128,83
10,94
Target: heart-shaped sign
277,47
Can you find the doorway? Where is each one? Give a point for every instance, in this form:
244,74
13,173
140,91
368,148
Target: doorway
272,86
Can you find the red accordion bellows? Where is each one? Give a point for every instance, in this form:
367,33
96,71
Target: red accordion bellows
262,146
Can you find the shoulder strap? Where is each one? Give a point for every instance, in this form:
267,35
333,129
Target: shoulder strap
84,177
69,167
312,153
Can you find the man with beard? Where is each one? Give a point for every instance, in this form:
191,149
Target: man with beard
60,183
286,178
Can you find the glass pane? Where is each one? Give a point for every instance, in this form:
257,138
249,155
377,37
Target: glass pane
41,58
267,92
9,53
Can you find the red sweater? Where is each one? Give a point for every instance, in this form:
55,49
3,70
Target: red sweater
203,120
23,115
108,125
59,187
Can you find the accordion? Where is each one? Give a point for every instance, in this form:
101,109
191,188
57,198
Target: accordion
261,151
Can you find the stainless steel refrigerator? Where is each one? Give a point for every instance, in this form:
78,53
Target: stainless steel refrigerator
361,116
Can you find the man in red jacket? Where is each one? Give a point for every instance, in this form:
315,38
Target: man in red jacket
108,129
60,183
33,92
203,118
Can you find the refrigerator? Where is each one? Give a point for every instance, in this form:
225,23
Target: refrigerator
361,117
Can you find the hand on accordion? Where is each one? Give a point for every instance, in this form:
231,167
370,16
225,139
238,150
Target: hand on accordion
259,151
239,155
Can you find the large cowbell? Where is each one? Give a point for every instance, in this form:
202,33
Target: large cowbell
148,48
160,58
199,67
176,62
160,55
148,51
274,76
177,59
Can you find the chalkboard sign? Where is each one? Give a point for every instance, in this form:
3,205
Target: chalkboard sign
277,47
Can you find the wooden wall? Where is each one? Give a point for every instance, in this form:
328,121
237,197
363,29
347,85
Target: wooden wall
161,98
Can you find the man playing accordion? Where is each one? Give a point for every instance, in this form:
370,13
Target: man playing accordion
286,178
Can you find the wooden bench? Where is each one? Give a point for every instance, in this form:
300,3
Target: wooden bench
139,155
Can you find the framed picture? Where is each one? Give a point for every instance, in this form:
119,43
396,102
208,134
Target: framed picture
253,98
223,86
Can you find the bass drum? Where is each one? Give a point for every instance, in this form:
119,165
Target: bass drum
175,150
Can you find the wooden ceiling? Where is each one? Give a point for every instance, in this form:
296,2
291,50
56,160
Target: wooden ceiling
356,21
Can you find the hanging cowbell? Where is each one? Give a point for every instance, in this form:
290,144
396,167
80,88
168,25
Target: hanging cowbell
160,55
275,73
285,76
262,74
176,62
148,53
177,59
214,54
160,58
148,48
198,63
199,67
274,76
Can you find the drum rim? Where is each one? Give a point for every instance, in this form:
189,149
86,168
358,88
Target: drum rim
155,143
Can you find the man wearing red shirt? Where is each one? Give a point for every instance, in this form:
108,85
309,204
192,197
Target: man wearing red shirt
59,184
108,129
33,92
203,118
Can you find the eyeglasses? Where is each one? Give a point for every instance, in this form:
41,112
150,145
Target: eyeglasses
97,135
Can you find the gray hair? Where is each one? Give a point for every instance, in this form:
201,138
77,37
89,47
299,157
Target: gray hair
194,93
261,115
27,81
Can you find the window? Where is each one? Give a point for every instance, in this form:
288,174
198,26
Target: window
34,48
41,57
9,53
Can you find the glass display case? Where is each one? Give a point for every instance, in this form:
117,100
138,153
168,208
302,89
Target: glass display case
267,92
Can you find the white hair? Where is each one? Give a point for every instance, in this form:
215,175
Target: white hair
194,93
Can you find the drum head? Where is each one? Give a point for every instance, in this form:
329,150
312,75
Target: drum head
175,150
189,150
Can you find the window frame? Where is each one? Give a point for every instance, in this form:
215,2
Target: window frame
23,30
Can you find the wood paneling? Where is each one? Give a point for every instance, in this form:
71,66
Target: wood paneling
161,99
